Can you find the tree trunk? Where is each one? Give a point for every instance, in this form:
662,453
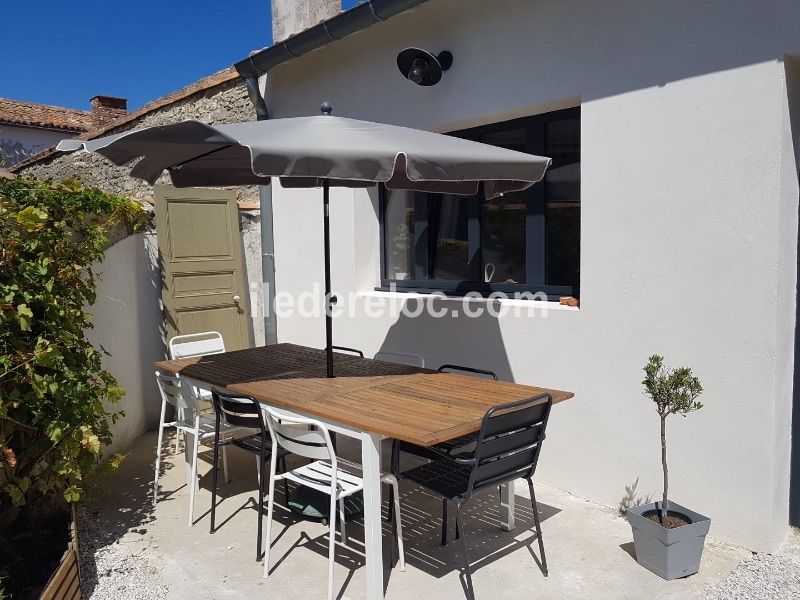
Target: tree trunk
664,465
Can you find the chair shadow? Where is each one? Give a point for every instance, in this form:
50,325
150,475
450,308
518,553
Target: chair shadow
133,510
421,521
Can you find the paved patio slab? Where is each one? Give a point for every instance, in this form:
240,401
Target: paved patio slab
134,551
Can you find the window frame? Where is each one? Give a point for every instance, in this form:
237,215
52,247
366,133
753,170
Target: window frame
535,227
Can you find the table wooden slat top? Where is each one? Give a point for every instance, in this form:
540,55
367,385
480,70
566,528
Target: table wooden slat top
416,405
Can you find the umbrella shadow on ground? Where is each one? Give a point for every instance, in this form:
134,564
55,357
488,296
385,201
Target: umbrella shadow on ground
453,338
421,521
241,482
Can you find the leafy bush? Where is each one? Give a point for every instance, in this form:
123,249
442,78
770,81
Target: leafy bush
53,388
674,391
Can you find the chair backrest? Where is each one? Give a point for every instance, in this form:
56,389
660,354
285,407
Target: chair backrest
313,442
401,358
468,370
347,350
175,391
196,344
238,410
509,441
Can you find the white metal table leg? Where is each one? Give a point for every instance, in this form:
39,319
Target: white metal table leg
373,542
195,481
507,506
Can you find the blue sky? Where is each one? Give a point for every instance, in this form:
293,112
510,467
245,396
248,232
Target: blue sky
66,51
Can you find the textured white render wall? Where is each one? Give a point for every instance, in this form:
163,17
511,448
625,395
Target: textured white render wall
127,321
688,229
18,143
790,168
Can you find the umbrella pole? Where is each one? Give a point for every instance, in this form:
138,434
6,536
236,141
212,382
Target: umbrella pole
329,301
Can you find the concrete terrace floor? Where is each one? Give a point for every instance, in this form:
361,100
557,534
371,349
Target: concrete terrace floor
130,548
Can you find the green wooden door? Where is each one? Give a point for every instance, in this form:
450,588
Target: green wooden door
200,252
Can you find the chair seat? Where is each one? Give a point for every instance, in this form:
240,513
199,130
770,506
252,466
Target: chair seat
204,395
252,443
207,425
461,445
447,479
317,475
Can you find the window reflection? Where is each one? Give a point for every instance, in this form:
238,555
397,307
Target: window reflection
530,238
503,239
399,235
503,221
563,201
448,219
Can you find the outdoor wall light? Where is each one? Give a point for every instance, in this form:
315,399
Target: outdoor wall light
423,68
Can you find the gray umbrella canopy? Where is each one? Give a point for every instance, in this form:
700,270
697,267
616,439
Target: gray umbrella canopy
303,151
321,151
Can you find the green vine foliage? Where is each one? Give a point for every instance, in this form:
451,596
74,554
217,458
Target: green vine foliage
55,396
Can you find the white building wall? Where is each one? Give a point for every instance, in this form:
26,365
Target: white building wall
18,143
689,230
127,323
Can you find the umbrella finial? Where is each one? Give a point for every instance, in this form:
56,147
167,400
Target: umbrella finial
326,108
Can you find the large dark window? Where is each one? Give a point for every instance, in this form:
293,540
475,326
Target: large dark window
526,241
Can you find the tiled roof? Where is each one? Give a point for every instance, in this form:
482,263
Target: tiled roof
18,112
212,81
201,85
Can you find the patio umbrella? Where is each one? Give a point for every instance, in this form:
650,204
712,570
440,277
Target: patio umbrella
318,151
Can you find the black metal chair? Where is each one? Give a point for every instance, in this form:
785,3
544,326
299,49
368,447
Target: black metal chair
243,411
346,350
459,445
464,443
507,448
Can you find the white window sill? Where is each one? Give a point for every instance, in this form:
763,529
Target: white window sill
509,302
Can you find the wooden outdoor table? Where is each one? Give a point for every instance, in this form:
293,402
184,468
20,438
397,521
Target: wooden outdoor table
369,400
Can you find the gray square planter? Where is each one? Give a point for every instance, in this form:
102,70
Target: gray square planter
669,553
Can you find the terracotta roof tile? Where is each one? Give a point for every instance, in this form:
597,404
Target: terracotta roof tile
219,78
18,112
201,85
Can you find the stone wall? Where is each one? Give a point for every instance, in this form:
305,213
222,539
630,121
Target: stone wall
220,98
223,103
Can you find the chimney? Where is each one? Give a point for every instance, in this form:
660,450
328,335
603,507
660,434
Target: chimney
107,109
293,16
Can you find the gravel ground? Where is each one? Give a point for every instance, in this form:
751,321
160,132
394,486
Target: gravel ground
113,569
760,577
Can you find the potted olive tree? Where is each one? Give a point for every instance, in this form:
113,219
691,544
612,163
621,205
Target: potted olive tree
668,537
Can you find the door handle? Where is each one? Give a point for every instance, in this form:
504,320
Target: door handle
236,299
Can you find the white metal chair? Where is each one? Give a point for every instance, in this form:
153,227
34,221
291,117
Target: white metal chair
401,358
196,344
200,426
323,475
190,345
